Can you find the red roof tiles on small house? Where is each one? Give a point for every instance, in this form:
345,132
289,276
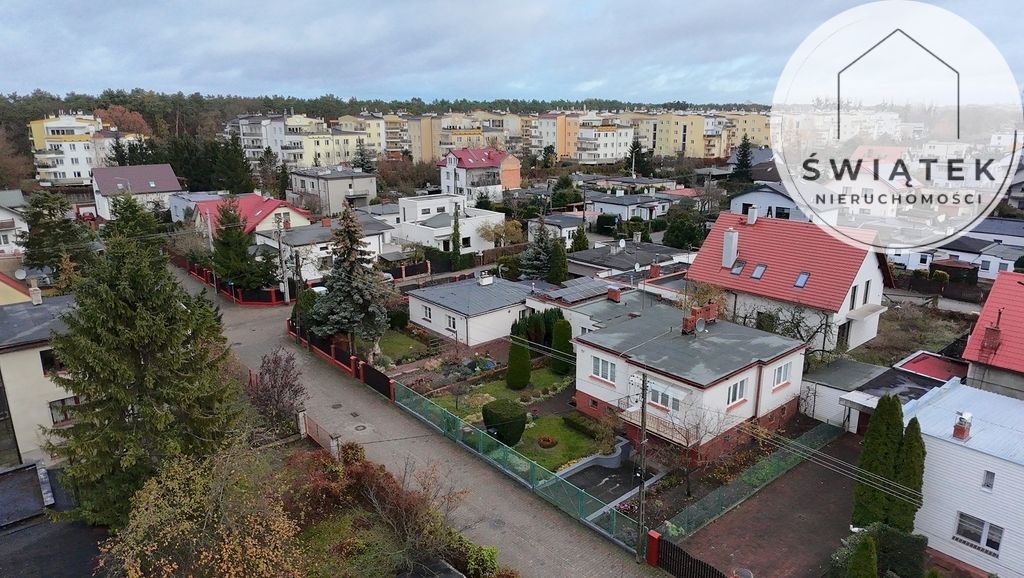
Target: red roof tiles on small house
998,336
252,207
489,157
934,365
792,253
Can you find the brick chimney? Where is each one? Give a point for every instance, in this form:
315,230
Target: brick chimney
325,222
962,426
615,294
655,271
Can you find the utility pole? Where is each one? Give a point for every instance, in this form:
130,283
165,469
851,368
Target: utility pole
209,245
280,258
643,467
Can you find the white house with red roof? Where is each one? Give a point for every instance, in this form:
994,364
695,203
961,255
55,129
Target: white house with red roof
258,213
474,172
793,277
995,348
149,184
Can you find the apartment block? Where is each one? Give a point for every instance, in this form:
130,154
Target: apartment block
66,147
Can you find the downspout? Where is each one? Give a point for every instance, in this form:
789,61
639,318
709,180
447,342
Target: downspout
757,394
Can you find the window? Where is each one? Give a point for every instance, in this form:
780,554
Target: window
782,373
439,210
603,369
985,264
49,362
989,480
801,279
923,259
59,410
737,267
584,331
978,534
853,297
736,391
782,213
451,322
867,291
593,403
427,313
425,211
465,242
1004,267
758,271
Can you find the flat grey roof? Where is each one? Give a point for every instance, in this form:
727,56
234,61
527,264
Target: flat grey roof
643,253
845,374
655,340
25,323
560,220
317,233
469,298
381,209
623,200
1001,226
1004,252
606,312
329,173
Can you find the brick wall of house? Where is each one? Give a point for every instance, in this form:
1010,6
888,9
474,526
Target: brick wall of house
593,407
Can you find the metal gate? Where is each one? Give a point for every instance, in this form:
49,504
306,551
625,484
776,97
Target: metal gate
677,562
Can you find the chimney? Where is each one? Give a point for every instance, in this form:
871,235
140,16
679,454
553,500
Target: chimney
730,247
325,222
36,294
485,279
991,339
614,294
752,215
655,271
962,427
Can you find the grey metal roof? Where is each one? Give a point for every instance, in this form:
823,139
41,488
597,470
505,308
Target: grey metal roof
1001,226
1004,252
624,200
845,374
996,429
758,155
381,209
643,253
25,323
967,244
654,339
12,199
138,179
437,221
560,220
317,233
469,298
329,173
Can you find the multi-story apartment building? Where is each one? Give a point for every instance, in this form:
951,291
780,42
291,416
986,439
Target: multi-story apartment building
396,135
473,173
67,147
283,134
603,142
645,127
296,128
433,136
676,134
560,130
331,146
332,189
708,136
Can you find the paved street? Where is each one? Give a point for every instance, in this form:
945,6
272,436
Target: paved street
532,536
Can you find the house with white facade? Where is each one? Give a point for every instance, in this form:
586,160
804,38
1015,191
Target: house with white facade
625,206
559,226
29,397
473,173
771,199
383,212
308,251
150,185
429,221
259,213
183,205
257,132
995,348
12,220
601,144
973,477
778,271
744,376
473,311
332,188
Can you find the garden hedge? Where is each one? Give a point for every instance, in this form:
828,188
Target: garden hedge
898,552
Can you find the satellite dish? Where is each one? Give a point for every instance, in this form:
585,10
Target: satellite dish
20,274
701,324
636,267
622,243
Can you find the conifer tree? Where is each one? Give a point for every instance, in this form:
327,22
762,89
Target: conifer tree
51,234
534,261
910,474
133,221
744,161
231,258
356,300
558,264
362,159
266,172
232,171
455,242
560,342
144,357
864,562
283,182
881,446
67,275
580,242
517,376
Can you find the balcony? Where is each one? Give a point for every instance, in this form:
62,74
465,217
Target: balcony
48,153
658,425
45,163
291,147
485,182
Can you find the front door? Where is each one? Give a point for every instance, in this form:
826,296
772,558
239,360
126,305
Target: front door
843,336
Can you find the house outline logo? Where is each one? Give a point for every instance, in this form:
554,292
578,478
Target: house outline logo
839,77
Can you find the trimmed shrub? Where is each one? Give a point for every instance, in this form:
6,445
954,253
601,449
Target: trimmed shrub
398,318
605,224
897,552
517,376
940,276
472,560
920,274
507,418
352,453
584,425
561,335
658,225
864,562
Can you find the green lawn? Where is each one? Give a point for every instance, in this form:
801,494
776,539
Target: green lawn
398,345
471,403
349,543
572,445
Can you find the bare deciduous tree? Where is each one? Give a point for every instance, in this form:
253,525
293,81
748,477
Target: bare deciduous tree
501,234
277,393
691,428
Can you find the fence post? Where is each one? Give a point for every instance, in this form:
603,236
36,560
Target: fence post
391,390
362,371
582,504
480,441
301,416
335,449
403,272
653,542
332,350
428,267
533,475
352,365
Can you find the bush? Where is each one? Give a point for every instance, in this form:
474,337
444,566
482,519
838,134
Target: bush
560,362
898,552
605,224
507,418
352,453
940,276
545,391
920,274
398,318
658,225
318,488
584,425
525,398
517,376
472,560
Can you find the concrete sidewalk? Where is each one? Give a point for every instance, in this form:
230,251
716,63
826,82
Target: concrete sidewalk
531,536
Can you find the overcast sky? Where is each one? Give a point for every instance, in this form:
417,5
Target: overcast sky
648,51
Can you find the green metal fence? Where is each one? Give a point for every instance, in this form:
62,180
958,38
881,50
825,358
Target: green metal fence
572,500
721,500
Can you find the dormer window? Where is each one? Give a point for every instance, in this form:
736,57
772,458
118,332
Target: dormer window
801,279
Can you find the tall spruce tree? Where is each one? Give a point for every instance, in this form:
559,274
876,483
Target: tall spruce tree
638,160
144,357
534,261
231,169
362,159
910,474
881,449
744,161
580,242
455,242
355,304
51,234
133,221
117,156
283,182
558,264
266,172
231,258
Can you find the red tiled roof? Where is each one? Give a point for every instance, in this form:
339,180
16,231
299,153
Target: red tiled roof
788,248
489,157
681,192
252,207
1007,296
13,284
953,264
934,365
